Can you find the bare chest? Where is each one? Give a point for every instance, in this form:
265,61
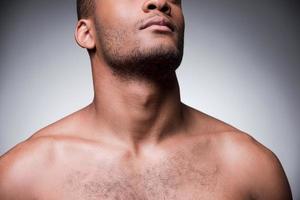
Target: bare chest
188,175
187,180
152,183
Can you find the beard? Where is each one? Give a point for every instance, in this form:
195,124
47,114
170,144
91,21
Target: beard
129,59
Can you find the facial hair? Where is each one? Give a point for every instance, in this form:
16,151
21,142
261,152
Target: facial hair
127,58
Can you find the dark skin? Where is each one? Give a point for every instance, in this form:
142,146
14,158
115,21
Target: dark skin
136,140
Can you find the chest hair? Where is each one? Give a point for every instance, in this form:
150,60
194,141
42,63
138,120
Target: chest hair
180,176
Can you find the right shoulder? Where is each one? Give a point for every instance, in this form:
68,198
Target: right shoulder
20,166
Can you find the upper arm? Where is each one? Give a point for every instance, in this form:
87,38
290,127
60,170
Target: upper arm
259,171
20,168
269,179
11,181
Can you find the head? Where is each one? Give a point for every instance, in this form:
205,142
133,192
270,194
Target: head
114,32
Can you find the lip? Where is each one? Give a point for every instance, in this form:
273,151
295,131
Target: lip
160,23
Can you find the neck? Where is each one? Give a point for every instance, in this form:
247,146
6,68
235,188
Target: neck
135,111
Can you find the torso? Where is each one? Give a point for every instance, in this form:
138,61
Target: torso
209,161
86,171
57,164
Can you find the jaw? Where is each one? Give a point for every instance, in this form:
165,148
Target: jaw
140,54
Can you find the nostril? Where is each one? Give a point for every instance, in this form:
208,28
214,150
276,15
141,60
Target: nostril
151,7
160,5
165,9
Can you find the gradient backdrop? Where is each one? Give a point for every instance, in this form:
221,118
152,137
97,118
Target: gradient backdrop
241,65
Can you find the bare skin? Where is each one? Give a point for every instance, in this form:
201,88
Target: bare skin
136,140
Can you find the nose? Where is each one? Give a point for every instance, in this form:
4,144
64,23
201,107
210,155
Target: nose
160,5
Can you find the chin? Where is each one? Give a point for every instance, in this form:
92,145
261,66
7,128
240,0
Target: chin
159,42
160,48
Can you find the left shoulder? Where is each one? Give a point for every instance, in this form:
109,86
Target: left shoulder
257,167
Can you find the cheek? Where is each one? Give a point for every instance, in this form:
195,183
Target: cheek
119,15
179,19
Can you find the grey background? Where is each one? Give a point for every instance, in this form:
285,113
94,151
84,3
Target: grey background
241,65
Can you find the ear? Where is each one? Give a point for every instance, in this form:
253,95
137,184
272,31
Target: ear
84,34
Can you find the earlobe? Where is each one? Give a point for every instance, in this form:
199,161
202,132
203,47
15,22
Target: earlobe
84,35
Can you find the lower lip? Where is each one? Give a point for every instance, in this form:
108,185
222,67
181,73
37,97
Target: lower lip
159,28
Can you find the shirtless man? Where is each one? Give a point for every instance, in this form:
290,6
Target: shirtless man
136,140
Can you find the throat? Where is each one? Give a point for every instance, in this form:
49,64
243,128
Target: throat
138,111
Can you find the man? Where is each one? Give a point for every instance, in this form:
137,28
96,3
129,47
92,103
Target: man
136,140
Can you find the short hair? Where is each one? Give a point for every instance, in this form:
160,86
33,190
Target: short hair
85,8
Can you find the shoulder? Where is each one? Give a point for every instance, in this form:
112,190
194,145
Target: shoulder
240,147
20,167
26,167
258,168
247,163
